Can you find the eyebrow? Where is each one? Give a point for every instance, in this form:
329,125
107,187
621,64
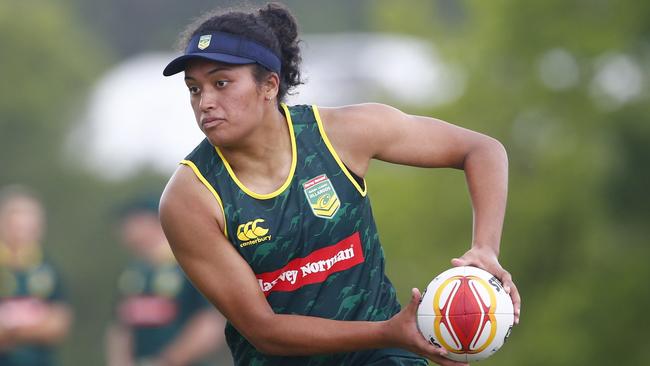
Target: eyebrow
212,71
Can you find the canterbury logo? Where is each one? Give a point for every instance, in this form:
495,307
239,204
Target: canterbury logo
252,233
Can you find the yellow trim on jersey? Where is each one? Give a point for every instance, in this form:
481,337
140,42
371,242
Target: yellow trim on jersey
211,189
345,170
26,256
294,159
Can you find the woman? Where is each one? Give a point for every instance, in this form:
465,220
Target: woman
269,216
35,316
160,318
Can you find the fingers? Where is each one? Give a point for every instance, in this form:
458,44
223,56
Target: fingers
422,345
467,259
491,264
416,297
431,351
516,301
415,294
511,289
437,352
458,262
439,359
506,280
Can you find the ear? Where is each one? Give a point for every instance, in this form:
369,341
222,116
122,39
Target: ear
271,86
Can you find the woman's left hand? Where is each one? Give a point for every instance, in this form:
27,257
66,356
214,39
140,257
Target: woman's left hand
486,259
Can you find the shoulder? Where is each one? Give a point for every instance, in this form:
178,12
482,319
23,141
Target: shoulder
357,130
183,188
360,124
185,195
357,113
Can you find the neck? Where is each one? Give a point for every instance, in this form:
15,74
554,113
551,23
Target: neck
266,152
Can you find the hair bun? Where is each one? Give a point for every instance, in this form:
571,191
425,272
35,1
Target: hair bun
279,18
285,28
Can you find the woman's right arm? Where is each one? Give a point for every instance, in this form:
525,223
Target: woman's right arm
193,224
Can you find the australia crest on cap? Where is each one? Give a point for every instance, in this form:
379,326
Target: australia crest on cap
204,41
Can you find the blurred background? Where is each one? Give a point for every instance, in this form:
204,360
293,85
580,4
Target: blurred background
87,121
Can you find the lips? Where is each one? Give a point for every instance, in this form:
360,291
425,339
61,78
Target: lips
210,122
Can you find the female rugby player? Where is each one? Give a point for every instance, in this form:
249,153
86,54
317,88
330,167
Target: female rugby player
269,215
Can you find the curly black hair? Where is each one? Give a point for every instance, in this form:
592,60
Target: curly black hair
272,26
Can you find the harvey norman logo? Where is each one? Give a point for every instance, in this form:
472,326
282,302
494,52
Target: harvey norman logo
315,267
252,233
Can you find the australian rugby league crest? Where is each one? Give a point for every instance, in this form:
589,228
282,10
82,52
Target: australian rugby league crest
322,197
204,41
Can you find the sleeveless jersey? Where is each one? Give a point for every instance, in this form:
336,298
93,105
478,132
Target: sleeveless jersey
156,302
312,244
24,297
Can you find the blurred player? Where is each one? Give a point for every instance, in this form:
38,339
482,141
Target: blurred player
34,317
160,319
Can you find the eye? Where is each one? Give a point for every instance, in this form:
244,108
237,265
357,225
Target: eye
194,90
222,83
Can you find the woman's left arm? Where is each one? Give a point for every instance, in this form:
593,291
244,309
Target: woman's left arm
363,132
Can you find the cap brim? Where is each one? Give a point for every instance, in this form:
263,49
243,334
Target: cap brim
178,64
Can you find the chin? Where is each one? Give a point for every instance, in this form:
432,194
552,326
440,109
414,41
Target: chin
223,138
220,140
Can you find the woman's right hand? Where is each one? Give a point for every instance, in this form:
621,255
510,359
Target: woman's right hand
403,328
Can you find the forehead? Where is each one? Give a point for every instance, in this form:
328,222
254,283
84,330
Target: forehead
199,67
21,205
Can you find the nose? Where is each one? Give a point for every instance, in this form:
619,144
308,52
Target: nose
208,100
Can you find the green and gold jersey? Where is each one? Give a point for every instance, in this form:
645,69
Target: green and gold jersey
312,244
25,295
156,302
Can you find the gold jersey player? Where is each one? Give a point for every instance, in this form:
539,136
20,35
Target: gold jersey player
269,215
35,316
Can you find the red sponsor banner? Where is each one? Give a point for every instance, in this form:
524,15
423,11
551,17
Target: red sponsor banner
315,267
147,311
22,312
